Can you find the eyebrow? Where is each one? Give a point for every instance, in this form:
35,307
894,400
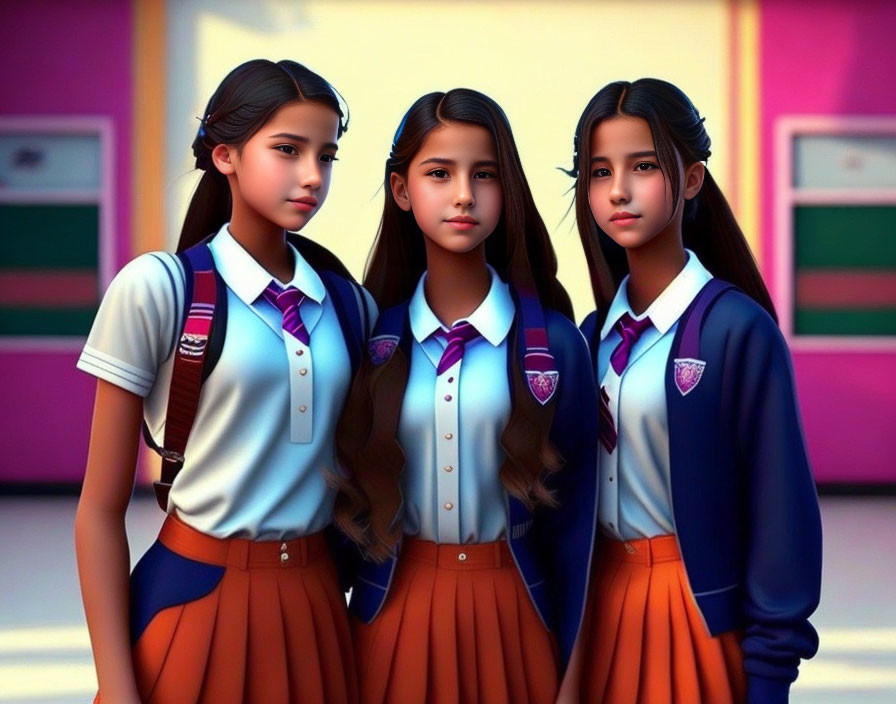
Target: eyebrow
452,162
633,155
300,138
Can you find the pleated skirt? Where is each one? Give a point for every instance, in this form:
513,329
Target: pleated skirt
274,629
458,627
644,639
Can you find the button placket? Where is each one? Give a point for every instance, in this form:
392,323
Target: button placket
301,386
609,462
447,454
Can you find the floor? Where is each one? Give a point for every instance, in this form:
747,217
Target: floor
45,652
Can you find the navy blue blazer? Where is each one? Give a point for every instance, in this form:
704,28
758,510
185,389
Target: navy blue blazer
551,547
743,497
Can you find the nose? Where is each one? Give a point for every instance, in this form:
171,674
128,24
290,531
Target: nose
310,174
463,197
619,192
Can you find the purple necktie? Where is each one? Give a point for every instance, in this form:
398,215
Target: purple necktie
287,301
607,426
457,337
630,330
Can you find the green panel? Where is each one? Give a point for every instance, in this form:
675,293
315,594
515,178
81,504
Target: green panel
845,237
49,236
46,321
845,322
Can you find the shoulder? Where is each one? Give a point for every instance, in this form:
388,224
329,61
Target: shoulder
154,274
589,326
736,313
564,338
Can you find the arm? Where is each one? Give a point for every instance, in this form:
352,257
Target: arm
100,539
782,578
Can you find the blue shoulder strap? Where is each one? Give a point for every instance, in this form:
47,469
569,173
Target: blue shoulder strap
687,343
388,333
539,365
351,310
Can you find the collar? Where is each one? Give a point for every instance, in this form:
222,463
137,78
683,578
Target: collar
668,307
247,278
492,318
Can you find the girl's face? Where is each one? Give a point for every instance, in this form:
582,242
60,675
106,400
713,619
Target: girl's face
453,187
282,172
630,199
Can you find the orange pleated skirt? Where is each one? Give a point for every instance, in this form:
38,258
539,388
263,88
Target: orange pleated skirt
458,627
274,630
644,640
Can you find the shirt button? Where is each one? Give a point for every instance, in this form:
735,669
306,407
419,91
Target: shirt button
611,478
449,468
447,397
299,353
284,558
449,506
302,409
448,436
303,372
462,557
450,379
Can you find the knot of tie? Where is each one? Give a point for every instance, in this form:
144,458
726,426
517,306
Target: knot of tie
630,330
287,301
458,336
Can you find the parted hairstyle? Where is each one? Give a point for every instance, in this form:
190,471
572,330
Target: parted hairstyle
520,251
246,99
708,226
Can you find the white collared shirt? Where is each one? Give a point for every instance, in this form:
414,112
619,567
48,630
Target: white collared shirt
635,495
263,434
450,426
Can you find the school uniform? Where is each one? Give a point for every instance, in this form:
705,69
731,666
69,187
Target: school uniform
239,599
464,609
709,561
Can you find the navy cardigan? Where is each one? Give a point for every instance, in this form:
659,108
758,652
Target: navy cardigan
551,547
743,498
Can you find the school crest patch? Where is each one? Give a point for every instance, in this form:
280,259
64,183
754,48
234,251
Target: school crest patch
542,385
381,347
688,373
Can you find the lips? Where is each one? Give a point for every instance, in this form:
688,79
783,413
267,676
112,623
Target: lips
623,215
462,222
305,203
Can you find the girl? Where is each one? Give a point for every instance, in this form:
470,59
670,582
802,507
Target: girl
709,560
466,434
238,601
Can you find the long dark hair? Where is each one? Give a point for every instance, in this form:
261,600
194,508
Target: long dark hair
708,227
521,252
245,100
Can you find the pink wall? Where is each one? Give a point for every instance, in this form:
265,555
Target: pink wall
62,58
831,57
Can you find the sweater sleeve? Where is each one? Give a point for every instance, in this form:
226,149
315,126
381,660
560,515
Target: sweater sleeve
782,578
567,532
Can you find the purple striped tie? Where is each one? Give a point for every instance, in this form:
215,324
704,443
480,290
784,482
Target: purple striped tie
287,301
457,337
607,426
630,330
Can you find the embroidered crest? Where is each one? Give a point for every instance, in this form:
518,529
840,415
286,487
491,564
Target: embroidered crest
688,373
380,348
192,345
542,384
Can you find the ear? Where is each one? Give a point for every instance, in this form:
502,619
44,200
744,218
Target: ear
399,186
693,179
223,157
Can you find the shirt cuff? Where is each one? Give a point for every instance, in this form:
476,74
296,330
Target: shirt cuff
108,368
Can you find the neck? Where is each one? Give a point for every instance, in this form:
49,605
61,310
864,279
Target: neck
456,283
652,267
263,240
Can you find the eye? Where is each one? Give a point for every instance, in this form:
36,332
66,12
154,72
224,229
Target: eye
484,175
287,149
645,166
328,158
600,172
438,173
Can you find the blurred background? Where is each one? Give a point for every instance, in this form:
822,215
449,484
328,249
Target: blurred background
99,102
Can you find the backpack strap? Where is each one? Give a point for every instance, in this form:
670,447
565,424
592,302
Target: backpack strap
351,310
195,355
388,334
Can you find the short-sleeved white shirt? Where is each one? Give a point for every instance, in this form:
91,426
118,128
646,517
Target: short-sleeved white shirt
263,437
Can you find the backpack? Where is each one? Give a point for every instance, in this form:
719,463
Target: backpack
202,339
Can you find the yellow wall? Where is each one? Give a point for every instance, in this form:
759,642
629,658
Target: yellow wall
541,61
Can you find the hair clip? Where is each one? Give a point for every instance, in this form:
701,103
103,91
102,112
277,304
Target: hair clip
399,130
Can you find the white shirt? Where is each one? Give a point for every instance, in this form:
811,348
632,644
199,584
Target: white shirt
263,434
450,426
635,490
